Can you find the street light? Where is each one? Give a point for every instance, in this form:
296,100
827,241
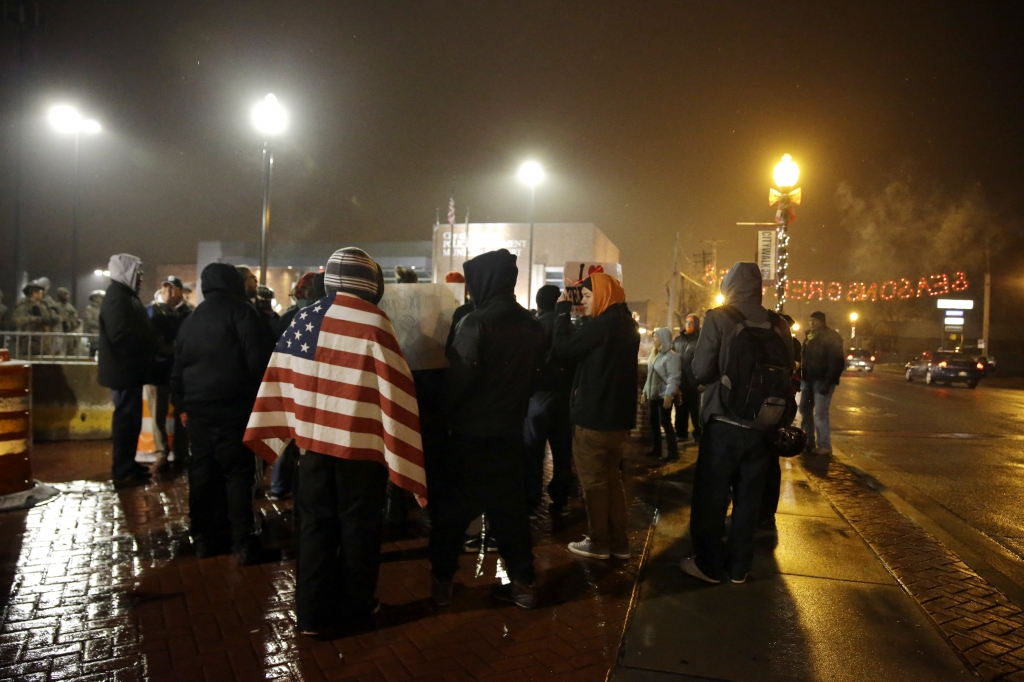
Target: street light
531,173
270,118
786,196
67,120
853,325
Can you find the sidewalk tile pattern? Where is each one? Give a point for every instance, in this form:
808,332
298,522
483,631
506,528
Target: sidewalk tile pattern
981,623
103,586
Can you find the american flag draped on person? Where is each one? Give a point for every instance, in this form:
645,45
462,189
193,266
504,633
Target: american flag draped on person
338,383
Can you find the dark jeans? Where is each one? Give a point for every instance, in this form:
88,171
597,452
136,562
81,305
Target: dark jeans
688,408
124,430
662,417
340,505
222,478
475,476
731,459
547,421
283,473
772,490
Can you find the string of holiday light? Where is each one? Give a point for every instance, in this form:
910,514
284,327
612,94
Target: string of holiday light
939,284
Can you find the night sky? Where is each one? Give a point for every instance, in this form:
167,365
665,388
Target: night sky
650,117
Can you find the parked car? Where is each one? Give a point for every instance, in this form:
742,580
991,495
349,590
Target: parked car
860,360
946,367
980,356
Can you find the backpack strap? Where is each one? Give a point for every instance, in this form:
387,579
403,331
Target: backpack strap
734,314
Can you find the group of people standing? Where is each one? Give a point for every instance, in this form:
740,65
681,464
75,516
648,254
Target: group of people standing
38,311
744,356
516,382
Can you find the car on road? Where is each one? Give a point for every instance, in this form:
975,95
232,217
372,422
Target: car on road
946,367
860,361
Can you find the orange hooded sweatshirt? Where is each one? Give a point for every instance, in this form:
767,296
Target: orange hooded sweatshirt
607,292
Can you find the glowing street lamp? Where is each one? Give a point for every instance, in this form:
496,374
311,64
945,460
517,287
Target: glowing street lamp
531,173
853,325
270,118
719,299
67,120
786,196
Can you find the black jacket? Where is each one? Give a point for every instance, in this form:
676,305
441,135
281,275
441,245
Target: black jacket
166,322
494,354
127,342
685,345
604,392
555,374
823,357
222,349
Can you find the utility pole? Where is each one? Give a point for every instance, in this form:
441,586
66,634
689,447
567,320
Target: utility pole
672,284
714,259
988,300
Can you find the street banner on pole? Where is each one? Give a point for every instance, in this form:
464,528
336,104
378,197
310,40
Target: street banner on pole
767,254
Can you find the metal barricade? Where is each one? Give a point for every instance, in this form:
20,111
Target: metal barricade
68,348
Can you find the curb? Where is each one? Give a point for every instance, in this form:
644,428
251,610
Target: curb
980,623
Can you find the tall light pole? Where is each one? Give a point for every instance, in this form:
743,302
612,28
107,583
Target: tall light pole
270,118
786,196
67,120
531,173
853,328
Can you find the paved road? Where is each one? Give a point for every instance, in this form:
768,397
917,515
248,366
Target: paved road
955,455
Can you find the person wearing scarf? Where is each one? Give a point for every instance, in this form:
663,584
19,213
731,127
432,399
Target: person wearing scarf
663,375
603,406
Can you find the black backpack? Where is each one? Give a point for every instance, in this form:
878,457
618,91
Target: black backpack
757,378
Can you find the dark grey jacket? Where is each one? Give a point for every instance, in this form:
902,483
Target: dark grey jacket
742,290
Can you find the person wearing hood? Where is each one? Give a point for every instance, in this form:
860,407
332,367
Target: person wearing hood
127,350
220,353
664,372
688,398
303,296
603,408
493,363
823,364
547,421
733,455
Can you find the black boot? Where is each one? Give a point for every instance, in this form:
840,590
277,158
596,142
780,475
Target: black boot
253,552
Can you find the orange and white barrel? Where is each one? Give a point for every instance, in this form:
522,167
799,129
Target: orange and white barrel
15,427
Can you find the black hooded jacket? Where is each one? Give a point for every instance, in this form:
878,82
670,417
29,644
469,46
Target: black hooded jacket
605,385
222,349
128,344
495,354
685,345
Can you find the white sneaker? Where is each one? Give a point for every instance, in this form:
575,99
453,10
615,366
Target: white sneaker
585,547
689,567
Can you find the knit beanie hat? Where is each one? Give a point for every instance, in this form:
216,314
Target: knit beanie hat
547,296
818,315
352,271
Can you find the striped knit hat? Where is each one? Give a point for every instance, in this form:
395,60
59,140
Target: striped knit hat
353,271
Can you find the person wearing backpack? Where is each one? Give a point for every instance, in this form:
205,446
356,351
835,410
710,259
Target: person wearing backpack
744,358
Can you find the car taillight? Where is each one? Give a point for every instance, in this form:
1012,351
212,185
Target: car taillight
981,366
942,364
872,358
849,357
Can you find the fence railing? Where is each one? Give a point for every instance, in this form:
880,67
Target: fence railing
51,346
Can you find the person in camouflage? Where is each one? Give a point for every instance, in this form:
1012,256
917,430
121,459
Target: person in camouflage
32,314
4,322
68,314
91,314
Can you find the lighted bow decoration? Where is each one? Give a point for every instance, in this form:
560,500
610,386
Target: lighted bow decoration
775,196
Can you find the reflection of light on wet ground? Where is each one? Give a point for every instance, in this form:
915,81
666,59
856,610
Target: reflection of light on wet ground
75,565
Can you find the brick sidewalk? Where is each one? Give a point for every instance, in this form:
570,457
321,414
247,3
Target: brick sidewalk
982,625
104,587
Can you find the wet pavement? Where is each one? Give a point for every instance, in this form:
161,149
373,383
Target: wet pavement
819,604
103,586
